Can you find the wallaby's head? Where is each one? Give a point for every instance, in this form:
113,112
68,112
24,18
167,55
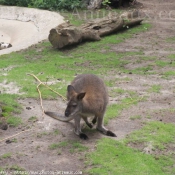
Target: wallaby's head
74,105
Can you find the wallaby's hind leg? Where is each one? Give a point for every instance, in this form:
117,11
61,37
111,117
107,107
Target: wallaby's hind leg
78,128
102,129
87,122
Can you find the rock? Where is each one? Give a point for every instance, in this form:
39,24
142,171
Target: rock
4,126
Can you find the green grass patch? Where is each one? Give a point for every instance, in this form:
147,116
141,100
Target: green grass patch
14,121
33,119
165,63
168,74
157,133
54,146
155,88
14,140
115,109
116,157
77,146
16,168
73,146
12,168
172,56
41,134
112,157
6,155
9,104
2,171
147,58
146,70
135,117
172,39
56,132
119,91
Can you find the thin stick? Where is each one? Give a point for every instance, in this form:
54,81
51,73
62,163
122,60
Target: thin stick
48,87
41,102
15,135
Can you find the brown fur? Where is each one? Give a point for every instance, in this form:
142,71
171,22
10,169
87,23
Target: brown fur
87,96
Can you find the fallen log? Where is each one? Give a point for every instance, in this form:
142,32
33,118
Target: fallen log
66,34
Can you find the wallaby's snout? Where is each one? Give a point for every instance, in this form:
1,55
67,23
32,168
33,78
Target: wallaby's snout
66,113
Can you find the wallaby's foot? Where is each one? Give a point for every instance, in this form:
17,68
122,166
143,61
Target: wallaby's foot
83,136
106,132
110,133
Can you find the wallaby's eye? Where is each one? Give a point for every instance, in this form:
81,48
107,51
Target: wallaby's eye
74,105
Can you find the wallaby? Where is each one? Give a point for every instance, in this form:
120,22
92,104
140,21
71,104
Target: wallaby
87,96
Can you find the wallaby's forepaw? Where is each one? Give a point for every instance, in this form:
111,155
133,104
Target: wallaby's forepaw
90,125
83,136
94,120
110,133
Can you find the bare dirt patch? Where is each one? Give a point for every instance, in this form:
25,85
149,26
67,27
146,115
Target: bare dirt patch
9,88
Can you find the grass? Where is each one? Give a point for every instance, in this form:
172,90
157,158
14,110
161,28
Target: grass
6,155
56,132
9,104
114,110
135,117
172,39
113,157
116,157
2,170
13,169
73,146
155,88
165,63
14,121
44,133
77,146
168,74
118,91
41,134
33,119
54,146
158,133
172,56
16,168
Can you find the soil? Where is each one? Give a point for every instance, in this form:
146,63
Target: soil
31,150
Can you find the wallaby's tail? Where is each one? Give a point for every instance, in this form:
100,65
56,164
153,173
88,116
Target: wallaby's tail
59,116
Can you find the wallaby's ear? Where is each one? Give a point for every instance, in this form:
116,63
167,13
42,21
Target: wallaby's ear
70,89
80,96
